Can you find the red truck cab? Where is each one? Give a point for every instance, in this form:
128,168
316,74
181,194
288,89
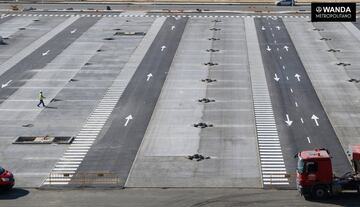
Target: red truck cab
314,171
315,178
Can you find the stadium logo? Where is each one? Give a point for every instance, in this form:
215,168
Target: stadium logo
333,12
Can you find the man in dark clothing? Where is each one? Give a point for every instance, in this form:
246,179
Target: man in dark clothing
41,99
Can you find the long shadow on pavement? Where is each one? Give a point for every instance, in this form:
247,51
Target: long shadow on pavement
13,194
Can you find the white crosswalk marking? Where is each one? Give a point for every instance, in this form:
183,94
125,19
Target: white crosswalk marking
66,167
271,158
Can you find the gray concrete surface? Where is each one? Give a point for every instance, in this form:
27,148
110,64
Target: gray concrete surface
339,97
156,197
171,136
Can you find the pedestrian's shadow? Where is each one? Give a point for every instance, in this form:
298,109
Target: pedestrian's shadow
50,107
12,194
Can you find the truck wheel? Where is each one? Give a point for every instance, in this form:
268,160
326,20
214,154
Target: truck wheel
319,192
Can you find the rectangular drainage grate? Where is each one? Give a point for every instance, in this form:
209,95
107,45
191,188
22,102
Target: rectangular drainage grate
44,140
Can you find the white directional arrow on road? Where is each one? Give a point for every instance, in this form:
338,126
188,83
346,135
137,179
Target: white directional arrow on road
45,53
286,48
6,84
172,27
278,27
315,118
262,28
73,31
163,48
288,121
128,118
297,76
276,78
149,76
268,48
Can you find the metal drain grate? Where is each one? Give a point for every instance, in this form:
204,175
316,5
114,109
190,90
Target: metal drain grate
43,140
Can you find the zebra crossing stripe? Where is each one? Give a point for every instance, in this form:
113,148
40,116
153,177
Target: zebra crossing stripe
272,165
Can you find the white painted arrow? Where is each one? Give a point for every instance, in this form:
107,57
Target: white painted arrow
288,121
286,48
172,27
268,48
149,76
262,28
128,118
315,118
45,53
297,76
6,84
163,48
276,78
278,27
73,31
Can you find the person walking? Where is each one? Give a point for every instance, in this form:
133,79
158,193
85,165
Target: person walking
41,99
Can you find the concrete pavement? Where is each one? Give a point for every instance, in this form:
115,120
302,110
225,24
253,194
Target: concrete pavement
172,197
209,81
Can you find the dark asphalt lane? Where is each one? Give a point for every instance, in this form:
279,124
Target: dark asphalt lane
296,98
115,150
36,60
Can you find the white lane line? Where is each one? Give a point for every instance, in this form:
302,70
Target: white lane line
308,139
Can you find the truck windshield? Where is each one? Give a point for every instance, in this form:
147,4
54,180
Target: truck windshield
300,166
